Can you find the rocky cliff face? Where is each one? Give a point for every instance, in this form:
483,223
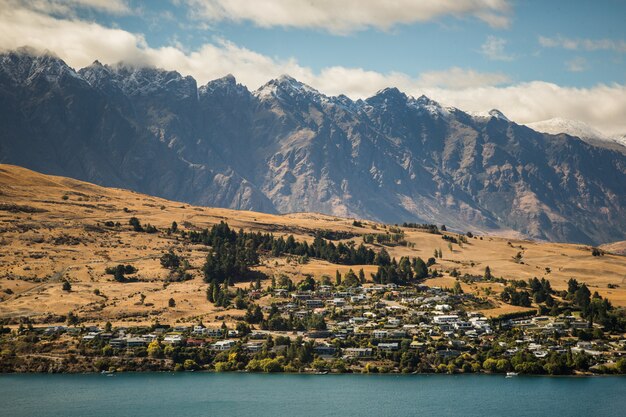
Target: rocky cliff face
286,147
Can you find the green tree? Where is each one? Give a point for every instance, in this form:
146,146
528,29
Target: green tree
487,275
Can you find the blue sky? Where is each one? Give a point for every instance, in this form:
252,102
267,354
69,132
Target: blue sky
445,42
528,58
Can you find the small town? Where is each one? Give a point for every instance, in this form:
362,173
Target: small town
322,328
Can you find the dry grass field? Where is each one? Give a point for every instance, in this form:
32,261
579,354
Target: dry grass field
52,229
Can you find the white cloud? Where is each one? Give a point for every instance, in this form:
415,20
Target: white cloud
583,44
493,48
79,43
347,15
576,64
601,106
461,78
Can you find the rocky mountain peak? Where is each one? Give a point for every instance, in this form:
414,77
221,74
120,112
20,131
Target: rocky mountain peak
497,114
286,86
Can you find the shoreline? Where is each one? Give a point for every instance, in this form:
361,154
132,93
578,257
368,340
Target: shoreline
208,371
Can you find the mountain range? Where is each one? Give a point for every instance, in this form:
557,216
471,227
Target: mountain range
286,147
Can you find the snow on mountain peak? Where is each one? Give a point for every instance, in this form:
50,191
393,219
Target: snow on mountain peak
498,115
576,128
431,106
286,85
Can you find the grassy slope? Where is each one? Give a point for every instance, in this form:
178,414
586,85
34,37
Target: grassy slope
63,241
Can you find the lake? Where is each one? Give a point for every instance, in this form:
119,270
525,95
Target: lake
210,394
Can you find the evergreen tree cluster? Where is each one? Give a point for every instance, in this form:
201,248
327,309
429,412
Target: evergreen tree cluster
233,253
400,272
425,227
595,308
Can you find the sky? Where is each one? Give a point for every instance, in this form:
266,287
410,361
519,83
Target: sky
531,59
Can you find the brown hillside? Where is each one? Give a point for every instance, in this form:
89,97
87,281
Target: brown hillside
52,228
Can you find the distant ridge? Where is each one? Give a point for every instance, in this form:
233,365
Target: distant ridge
287,147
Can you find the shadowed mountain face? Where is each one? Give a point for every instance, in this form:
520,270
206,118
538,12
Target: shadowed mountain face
286,147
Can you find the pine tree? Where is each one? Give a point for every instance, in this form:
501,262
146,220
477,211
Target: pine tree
337,278
487,276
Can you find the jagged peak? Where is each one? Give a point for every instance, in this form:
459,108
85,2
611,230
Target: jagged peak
227,83
26,63
287,85
497,114
389,92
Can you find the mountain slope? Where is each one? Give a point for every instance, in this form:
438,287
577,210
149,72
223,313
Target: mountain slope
286,147
580,130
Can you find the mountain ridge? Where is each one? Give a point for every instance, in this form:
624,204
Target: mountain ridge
287,147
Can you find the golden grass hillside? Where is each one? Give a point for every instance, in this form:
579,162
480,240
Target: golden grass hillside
52,229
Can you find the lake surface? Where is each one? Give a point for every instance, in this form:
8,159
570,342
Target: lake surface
209,394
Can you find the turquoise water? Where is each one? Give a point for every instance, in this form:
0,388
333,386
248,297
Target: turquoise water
207,394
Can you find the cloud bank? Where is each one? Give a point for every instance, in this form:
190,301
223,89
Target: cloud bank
348,15
79,43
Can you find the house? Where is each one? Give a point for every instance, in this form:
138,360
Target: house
397,334
224,345
138,341
117,343
194,342
253,347
389,346
358,352
448,353
325,350
314,303
173,339
213,332
90,336
380,334
339,302
301,297
442,319
301,314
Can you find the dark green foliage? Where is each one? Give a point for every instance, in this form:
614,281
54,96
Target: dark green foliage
67,286
136,224
307,284
351,280
233,253
389,239
254,315
334,234
119,272
170,260
487,276
516,298
449,238
428,228
402,272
